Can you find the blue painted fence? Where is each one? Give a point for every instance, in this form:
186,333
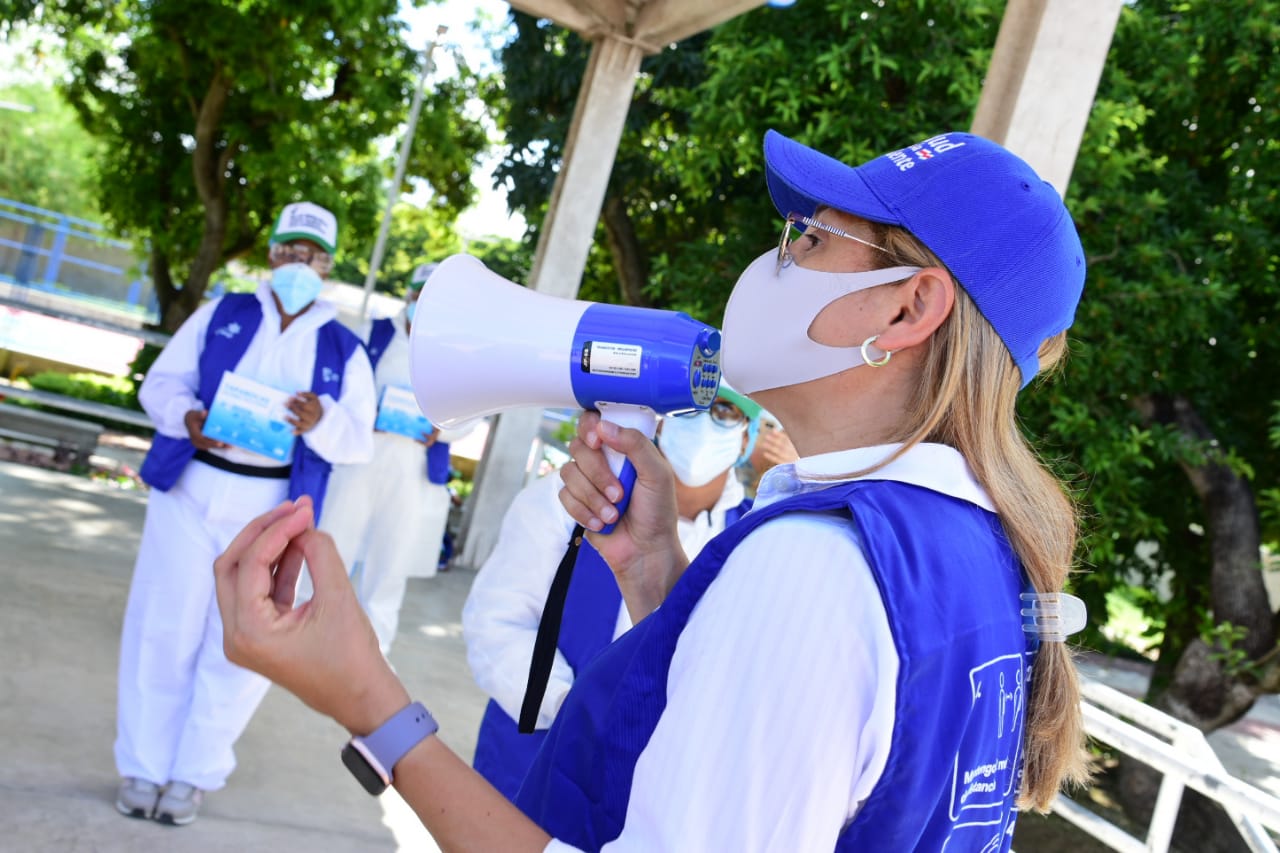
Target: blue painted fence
50,251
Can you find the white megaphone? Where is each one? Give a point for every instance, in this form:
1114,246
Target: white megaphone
481,344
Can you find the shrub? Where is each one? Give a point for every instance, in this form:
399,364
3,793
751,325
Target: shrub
111,390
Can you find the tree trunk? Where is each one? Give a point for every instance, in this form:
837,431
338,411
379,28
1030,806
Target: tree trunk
1205,691
1202,693
209,164
628,256
166,293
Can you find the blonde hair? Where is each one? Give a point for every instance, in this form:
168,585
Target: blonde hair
966,399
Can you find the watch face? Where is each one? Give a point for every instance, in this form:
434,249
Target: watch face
364,773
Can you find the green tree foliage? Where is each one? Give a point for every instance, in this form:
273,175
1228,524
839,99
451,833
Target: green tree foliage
684,208
1163,420
420,235
1166,405
417,235
46,158
642,204
219,112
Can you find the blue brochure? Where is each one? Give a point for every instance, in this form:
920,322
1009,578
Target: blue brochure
251,416
398,412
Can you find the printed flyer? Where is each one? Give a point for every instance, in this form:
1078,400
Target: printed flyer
251,416
398,412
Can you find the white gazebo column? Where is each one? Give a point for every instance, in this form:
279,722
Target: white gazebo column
1044,73
561,256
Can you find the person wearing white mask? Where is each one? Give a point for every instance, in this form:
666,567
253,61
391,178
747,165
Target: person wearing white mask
387,517
873,657
501,616
181,705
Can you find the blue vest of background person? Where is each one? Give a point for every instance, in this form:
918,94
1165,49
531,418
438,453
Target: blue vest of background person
976,680
500,618
181,704
388,516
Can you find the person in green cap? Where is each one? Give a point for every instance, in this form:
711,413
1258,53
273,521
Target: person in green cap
501,616
180,704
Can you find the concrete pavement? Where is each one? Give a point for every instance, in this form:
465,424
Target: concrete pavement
67,546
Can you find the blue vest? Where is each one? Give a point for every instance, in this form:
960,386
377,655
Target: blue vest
242,315
381,332
950,589
503,754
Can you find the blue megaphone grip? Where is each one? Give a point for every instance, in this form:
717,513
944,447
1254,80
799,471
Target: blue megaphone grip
627,476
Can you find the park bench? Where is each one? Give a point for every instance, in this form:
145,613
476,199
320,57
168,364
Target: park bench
73,439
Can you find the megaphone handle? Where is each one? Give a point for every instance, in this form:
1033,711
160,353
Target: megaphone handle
626,476
634,417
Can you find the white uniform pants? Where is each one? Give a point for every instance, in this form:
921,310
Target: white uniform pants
390,518
181,704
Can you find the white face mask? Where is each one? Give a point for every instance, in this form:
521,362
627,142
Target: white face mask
766,323
698,449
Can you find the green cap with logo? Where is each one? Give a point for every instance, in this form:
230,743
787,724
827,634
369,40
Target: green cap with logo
304,220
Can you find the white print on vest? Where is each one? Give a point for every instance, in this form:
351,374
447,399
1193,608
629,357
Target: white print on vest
328,374
228,331
983,783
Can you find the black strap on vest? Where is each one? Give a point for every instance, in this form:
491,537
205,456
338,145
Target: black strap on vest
544,647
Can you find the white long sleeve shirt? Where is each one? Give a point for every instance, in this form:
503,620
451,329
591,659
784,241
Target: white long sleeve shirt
781,691
501,615
283,360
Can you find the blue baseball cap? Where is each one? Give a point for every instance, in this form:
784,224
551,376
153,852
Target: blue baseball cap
1004,233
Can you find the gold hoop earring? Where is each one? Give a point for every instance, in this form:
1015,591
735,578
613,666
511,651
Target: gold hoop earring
868,359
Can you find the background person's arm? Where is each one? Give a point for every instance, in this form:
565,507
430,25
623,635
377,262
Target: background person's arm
500,618
169,391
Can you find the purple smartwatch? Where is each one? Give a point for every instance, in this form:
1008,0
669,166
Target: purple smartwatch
372,758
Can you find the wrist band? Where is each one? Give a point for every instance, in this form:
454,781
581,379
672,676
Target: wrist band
373,758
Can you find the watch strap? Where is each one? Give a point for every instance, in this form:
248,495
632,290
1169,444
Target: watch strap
391,740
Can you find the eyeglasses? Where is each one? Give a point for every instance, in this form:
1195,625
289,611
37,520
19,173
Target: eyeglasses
723,414
800,224
726,414
301,253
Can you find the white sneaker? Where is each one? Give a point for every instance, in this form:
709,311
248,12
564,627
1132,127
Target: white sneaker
179,804
137,797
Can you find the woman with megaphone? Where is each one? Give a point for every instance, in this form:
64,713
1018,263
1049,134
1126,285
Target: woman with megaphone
872,657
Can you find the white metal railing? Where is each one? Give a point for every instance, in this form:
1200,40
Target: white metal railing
1181,753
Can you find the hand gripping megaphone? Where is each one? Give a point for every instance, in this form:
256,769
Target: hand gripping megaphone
481,344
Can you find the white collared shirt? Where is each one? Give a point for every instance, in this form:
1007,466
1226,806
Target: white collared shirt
781,692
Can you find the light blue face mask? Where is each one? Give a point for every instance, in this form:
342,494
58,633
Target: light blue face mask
698,449
410,310
296,286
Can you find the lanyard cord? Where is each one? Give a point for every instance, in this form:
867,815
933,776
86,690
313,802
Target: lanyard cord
544,646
